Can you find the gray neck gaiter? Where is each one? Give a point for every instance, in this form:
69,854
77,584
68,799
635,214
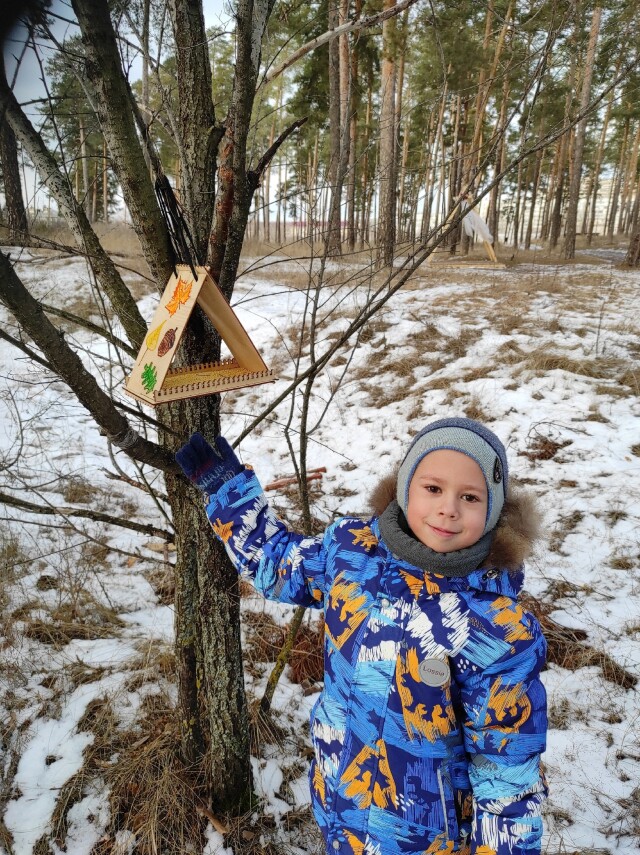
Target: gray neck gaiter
404,546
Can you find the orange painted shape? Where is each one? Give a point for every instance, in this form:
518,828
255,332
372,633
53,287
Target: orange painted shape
180,295
223,530
363,537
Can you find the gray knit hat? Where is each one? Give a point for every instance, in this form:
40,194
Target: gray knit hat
470,438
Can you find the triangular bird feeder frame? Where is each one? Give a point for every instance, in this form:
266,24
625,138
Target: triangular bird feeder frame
153,381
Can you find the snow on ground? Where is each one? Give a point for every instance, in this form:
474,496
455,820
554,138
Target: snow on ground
546,354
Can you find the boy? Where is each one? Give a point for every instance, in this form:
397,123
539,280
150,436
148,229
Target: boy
428,731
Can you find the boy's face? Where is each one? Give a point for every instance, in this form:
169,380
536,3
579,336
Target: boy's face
447,506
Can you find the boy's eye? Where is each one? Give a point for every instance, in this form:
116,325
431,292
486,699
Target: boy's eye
469,497
432,488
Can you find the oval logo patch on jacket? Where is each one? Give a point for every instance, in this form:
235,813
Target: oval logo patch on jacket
434,672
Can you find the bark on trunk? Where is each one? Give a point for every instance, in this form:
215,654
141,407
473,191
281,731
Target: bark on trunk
386,236
17,223
199,137
334,244
632,258
235,187
569,248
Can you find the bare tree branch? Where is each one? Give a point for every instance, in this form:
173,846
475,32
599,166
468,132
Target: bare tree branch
96,516
349,27
88,325
25,349
254,175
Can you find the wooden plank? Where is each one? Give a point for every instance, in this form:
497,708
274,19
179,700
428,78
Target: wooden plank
214,305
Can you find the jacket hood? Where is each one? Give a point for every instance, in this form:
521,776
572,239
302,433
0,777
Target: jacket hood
515,535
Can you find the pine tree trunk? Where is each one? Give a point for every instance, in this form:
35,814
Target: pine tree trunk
617,182
632,258
386,232
84,161
534,197
595,177
628,185
569,248
334,243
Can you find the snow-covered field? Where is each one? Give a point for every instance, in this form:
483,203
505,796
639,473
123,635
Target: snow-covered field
547,355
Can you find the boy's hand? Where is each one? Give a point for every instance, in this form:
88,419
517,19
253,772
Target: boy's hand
206,467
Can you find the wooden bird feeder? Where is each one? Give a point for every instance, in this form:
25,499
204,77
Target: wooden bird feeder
153,381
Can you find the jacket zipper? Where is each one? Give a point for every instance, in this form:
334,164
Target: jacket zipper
444,802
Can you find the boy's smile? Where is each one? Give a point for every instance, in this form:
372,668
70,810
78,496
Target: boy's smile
447,508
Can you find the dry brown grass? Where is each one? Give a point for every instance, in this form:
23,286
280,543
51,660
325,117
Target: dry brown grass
566,525
153,793
475,410
568,648
542,447
541,362
81,616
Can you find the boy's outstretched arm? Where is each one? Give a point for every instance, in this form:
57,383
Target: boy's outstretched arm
283,565
505,733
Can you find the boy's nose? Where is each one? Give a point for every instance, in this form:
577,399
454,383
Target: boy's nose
449,506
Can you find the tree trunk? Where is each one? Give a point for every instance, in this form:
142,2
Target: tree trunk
17,223
628,185
632,258
595,177
569,248
199,135
617,182
84,160
386,236
353,132
334,242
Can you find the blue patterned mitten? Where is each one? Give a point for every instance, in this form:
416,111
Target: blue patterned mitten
206,467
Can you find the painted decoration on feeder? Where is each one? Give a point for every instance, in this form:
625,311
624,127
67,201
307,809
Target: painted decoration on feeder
168,340
179,297
149,377
152,379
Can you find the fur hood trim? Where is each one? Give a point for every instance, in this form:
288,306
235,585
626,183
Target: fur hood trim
515,535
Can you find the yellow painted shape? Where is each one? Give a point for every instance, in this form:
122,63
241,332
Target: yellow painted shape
414,584
512,702
440,844
358,783
180,295
510,614
432,586
223,530
363,537
354,842
388,795
319,785
152,339
353,610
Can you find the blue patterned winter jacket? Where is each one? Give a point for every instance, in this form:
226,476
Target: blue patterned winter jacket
428,732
